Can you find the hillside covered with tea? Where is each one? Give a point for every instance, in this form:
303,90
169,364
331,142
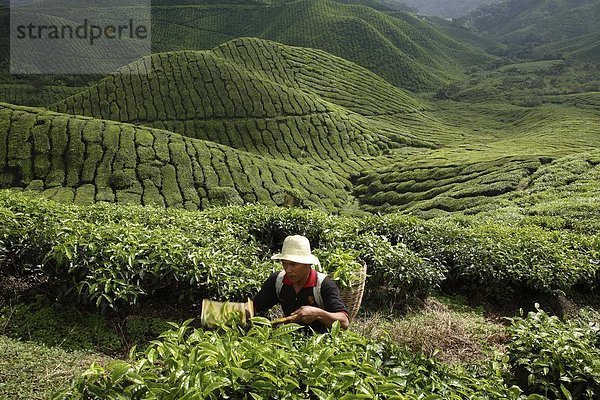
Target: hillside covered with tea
446,173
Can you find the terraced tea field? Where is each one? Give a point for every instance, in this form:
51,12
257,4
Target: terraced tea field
498,150
249,86
232,124
87,160
257,121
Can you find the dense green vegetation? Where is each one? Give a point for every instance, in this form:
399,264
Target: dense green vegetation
538,22
556,358
275,363
400,48
530,84
311,106
136,194
82,160
113,257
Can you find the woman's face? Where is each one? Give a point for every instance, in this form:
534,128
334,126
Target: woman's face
295,272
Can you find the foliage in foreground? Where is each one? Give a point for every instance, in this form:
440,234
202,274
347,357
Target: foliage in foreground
267,363
555,358
546,358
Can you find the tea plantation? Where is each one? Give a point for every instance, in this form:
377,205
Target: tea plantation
258,96
461,171
112,258
82,160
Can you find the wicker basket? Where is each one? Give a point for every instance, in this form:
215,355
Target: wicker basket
352,296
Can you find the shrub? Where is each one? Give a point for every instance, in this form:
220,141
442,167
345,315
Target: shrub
555,358
395,272
494,257
267,363
113,255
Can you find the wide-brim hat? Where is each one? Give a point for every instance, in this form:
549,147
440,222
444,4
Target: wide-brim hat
296,248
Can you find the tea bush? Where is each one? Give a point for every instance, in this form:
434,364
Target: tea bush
111,256
268,363
555,358
496,257
125,253
396,273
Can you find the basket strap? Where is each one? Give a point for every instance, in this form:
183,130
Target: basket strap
317,289
279,282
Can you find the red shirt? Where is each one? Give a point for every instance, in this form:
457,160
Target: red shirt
310,282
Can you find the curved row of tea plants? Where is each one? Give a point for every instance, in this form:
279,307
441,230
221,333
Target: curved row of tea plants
448,187
284,79
83,160
477,171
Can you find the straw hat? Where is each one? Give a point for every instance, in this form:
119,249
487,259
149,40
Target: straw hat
296,249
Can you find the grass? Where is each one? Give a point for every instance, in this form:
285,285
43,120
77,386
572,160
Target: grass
441,329
33,371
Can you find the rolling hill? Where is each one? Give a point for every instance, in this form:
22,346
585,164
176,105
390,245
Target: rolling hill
282,108
497,156
403,49
263,97
536,22
249,121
